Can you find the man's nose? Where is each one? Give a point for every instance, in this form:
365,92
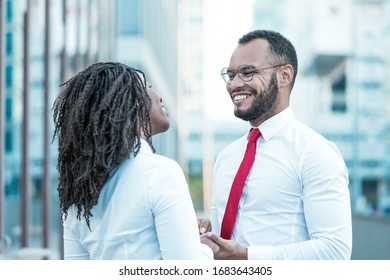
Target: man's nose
236,82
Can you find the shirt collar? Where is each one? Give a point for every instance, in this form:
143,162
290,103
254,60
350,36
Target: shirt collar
145,147
274,124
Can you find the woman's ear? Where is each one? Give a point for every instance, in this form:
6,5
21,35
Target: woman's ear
286,75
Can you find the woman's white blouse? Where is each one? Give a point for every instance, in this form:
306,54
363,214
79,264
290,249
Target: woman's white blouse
144,212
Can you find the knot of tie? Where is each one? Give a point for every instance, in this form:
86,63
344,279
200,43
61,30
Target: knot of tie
254,134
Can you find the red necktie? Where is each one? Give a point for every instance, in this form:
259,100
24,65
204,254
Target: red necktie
229,217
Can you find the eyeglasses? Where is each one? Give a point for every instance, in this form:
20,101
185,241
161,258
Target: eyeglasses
245,72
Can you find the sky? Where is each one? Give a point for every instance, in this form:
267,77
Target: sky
225,23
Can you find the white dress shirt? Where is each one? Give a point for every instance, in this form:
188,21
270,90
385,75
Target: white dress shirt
295,203
144,212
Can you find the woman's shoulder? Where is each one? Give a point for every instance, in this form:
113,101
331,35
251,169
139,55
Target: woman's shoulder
164,161
152,163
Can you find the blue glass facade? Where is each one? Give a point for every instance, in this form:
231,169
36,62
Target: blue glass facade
23,221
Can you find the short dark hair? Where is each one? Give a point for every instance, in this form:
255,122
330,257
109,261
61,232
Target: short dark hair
279,47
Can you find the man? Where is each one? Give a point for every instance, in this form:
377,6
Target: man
295,202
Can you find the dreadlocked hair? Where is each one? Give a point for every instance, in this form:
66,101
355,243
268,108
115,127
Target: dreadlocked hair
99,116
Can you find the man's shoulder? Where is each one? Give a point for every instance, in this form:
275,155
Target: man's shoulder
307,131
310,139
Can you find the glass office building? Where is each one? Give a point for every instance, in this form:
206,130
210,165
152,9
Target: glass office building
45,43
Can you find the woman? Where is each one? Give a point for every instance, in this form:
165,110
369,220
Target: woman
119,200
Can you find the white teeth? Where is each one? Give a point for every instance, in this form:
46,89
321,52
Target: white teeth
240,97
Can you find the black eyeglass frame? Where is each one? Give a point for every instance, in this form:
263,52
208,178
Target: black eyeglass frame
248,76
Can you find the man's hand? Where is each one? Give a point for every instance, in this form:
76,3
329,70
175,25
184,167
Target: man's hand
204,225
228,249
206,240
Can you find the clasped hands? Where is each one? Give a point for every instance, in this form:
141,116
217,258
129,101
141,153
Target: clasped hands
223,249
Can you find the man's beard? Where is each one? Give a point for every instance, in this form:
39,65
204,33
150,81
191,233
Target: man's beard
263,104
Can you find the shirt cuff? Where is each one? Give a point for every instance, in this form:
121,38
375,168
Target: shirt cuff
259,253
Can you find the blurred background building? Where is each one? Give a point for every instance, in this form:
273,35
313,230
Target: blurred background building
342,91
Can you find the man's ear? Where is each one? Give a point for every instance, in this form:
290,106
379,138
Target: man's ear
286,74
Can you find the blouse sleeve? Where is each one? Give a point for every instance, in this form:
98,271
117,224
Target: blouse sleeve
174,214
73,250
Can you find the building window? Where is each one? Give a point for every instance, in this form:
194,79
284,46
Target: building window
339,103
9,11
8,141
9,42
370,192
128,19
8,76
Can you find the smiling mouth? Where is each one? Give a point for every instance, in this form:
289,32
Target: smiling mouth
240,97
